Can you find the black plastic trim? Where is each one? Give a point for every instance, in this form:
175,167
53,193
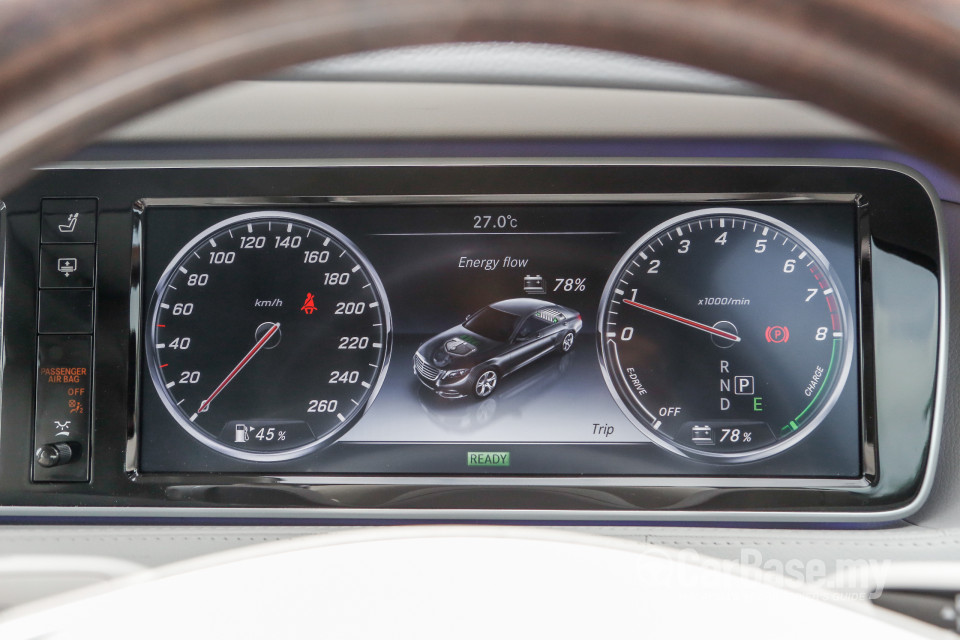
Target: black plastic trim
899,228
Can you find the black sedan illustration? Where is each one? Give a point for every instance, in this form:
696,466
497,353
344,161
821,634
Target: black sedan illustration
494,342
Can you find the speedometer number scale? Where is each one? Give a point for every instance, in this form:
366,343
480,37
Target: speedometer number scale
269,335
725,334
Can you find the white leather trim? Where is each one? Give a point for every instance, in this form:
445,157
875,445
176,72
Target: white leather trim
452,581
304,111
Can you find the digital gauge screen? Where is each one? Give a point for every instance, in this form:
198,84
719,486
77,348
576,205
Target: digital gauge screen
620,339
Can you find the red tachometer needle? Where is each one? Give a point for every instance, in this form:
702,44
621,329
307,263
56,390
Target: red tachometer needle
240,365
686,321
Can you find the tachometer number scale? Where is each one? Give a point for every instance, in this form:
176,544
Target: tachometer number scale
725,335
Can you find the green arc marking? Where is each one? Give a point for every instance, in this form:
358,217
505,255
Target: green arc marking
794,424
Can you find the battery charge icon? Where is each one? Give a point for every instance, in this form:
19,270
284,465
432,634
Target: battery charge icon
533,285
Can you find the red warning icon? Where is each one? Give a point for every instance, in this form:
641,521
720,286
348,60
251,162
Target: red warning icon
777,334
308,305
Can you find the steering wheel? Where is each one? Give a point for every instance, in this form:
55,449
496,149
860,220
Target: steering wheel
70,69
455,581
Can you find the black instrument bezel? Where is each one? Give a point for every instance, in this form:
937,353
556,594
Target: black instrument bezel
898,216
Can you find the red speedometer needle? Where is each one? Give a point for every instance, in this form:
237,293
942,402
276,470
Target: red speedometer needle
686,321
240,365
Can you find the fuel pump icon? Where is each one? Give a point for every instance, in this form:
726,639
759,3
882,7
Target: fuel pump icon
242,433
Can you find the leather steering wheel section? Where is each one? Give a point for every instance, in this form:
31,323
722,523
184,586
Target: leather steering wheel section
71,69
463,582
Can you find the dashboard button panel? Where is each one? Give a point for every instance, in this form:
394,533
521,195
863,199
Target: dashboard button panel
66,311
68,220
62,422
67,266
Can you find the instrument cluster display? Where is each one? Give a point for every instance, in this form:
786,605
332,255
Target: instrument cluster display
302,375
568,340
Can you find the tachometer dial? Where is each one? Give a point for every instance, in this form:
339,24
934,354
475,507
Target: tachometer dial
725,334
269,334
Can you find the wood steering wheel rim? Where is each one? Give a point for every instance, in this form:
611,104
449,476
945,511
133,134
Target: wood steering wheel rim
70,69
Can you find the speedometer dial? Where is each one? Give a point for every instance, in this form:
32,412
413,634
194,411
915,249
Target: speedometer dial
269,335
725,334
